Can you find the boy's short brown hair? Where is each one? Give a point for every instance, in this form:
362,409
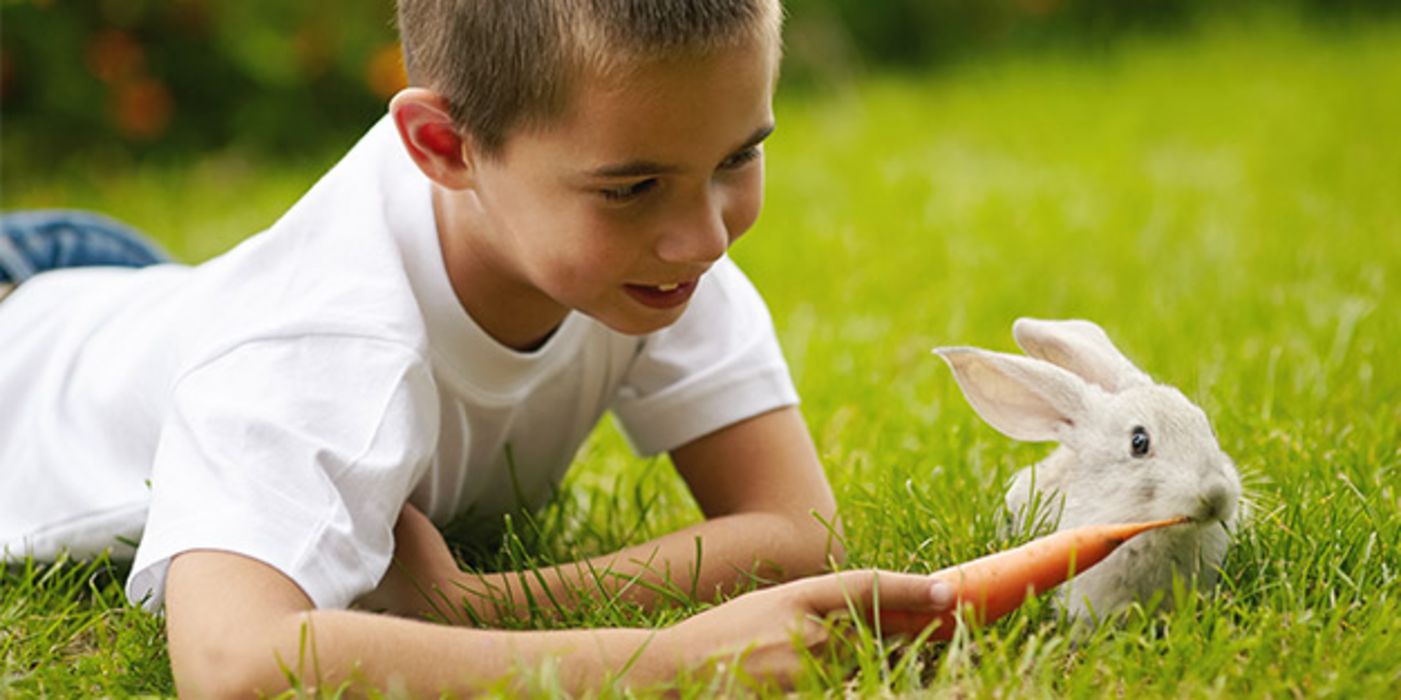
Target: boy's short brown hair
503,64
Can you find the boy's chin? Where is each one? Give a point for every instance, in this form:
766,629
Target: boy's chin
637,324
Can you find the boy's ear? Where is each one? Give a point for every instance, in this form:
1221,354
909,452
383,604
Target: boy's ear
432,140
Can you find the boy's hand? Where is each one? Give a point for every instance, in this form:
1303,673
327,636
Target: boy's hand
758,629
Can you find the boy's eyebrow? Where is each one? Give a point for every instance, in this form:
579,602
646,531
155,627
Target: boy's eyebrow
638,168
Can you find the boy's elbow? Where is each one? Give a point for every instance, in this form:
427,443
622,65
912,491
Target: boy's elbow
230,666
222,675
834,552
219,683
818,545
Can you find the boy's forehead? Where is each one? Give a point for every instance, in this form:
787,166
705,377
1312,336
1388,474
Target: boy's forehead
663,108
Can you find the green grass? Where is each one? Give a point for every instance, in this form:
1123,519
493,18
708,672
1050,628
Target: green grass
1227,206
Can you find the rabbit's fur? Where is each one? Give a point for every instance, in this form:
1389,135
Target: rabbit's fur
1130,450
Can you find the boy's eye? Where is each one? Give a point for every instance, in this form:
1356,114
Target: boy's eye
738,160
629,191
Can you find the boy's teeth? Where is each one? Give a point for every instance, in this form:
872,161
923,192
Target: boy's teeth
667,287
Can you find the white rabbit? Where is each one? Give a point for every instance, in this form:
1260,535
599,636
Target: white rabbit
1130,450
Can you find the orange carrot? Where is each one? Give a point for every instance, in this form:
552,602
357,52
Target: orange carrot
997,584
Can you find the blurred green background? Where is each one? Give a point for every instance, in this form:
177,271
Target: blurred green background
110,81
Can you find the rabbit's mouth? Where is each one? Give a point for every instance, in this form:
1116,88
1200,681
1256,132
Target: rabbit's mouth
1203,524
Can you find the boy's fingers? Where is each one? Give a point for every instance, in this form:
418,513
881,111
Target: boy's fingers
894,591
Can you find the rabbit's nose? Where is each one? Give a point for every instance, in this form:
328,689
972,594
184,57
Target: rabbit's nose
1216,503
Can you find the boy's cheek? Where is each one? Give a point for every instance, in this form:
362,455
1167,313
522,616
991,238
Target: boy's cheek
744,212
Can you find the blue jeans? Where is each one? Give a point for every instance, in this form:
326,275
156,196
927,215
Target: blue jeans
37,241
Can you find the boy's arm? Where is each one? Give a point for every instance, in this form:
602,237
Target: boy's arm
762,476
237,627
758,482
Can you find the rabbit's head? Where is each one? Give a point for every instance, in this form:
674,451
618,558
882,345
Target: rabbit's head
1131,450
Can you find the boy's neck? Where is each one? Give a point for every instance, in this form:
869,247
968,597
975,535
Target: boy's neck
511,311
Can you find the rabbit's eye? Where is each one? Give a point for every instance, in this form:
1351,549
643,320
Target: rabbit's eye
1140,441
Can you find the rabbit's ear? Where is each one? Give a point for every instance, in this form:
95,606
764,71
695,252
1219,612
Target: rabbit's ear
1081,347
1022,398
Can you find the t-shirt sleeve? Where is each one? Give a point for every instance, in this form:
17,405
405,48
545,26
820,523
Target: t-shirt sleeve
719,364
298,453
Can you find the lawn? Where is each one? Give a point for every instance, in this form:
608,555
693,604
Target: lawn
1226,204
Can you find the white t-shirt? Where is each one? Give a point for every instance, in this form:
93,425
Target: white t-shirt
283,401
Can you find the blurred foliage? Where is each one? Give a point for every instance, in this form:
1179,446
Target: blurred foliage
926,32
169,76
99,80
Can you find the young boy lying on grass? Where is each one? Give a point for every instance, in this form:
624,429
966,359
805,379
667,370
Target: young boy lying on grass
535,234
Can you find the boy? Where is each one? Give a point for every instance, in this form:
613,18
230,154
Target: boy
534,235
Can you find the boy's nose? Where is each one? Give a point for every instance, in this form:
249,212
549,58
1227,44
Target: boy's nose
701,238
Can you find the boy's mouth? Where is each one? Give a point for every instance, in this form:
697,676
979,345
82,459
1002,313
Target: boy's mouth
661,296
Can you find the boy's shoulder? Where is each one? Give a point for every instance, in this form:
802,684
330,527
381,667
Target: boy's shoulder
342,264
